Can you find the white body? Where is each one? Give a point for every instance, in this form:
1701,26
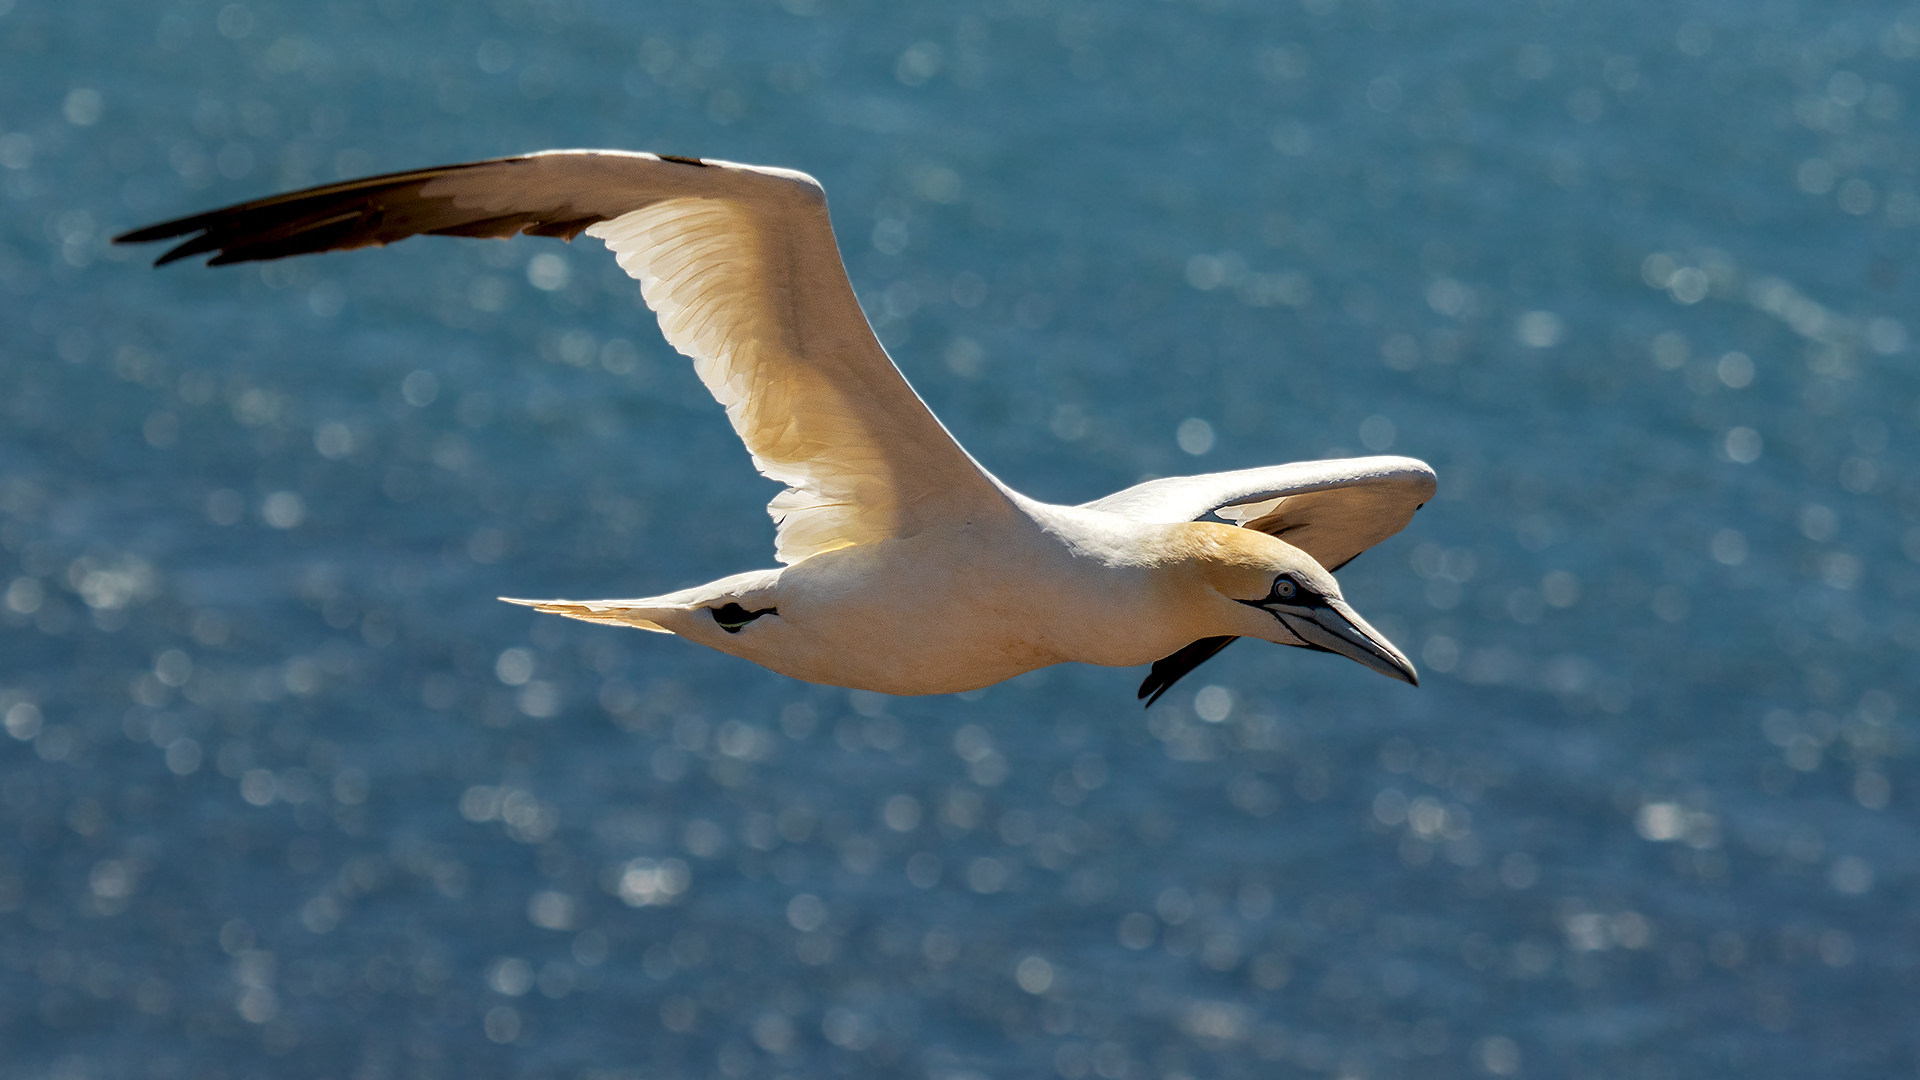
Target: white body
962,606
910,569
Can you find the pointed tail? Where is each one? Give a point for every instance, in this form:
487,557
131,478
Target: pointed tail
617,612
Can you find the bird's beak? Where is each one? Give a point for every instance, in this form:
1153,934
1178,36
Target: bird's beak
1335,627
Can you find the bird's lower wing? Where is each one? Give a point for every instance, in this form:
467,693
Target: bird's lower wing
1332,510
739,263
1169,669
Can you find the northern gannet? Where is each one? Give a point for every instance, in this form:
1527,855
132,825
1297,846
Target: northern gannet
907,567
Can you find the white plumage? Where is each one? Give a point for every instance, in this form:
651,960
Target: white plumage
909,568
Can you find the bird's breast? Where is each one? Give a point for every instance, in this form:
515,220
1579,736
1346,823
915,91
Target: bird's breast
957,610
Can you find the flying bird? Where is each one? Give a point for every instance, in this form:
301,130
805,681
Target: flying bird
907,568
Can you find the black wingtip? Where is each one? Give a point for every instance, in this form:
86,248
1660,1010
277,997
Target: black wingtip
1151,689
1168,669
147,235
165,230
170,230
175,254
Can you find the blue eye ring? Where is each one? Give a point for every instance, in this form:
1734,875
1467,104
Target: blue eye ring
1283,588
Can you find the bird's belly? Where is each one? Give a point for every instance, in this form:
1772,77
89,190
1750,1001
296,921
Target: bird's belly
925,648
949,622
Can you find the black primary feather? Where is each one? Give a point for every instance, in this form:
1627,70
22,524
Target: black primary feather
1168,670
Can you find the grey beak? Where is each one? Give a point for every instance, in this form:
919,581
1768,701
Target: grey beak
1335,628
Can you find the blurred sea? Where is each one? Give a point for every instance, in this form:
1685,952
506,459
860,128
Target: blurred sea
284,792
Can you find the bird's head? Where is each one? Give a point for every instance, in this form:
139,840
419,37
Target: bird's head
1256,585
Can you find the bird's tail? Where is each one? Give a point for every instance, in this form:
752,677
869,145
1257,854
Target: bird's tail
618,612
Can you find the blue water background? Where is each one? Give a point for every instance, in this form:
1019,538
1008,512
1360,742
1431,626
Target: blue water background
285,792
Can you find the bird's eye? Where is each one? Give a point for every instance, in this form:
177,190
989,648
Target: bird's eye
1283,589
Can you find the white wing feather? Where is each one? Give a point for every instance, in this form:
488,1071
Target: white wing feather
740,265
1332,510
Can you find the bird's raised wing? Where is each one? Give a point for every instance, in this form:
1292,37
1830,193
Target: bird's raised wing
1332,510
740,264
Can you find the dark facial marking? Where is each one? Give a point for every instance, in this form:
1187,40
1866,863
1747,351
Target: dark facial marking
676,159
733,618
1289,591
